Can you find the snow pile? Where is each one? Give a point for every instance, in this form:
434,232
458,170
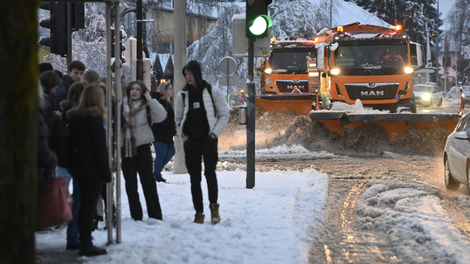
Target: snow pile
415,222
275,129
357,108
282,152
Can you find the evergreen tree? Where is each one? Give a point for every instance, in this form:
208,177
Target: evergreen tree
458,38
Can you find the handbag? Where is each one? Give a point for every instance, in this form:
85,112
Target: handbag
53,207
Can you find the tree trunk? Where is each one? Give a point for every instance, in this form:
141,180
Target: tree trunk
18,130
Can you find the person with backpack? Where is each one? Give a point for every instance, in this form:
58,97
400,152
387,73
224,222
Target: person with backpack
163,132
201,116
138,112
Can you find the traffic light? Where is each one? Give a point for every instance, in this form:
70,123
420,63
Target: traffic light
257,20
57,23
122,47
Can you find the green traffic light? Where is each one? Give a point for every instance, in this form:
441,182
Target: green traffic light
260,25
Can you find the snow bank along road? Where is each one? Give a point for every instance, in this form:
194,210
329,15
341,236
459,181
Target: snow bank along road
350,234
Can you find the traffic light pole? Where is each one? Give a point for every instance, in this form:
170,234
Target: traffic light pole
69,33
139,61
250,127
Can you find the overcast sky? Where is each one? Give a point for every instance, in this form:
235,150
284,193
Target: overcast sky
445,6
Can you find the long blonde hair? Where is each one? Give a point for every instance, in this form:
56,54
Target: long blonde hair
162,89
93,95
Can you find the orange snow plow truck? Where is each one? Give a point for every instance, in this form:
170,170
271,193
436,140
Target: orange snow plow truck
286,75
375,65
345,65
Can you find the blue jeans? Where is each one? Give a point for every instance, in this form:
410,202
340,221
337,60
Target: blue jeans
65,173
163,154
73,235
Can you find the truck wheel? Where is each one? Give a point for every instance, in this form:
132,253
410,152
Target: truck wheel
408,105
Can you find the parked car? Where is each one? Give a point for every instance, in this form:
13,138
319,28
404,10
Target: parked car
427,94
457,155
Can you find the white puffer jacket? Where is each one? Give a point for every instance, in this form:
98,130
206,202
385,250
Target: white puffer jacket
216,122
144,133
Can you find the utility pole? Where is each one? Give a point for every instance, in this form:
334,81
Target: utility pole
331,13
437,44
179,80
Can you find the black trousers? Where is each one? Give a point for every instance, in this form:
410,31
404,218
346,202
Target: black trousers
205,148
90,189
141,163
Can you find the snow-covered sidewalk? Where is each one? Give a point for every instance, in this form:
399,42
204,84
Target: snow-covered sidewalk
266,224
276,222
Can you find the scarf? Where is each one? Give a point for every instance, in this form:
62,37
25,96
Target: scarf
130,109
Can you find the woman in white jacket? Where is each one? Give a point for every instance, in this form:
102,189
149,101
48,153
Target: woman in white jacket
138,109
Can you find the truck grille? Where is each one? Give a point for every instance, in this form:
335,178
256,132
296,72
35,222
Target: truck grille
288,85
371,91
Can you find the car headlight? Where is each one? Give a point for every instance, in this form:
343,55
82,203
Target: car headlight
426,97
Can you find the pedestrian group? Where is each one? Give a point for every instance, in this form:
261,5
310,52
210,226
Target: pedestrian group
73,142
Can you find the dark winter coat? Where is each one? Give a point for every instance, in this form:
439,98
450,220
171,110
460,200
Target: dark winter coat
61,93
60,127
47,160
66,106
88,136
48,111
164,131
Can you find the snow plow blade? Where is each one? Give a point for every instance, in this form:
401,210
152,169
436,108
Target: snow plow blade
300,103
394,124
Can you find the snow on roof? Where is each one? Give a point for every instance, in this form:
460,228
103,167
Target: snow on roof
163,57
153,56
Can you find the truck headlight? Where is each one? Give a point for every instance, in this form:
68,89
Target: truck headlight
312,74
268,71
334,71
408,70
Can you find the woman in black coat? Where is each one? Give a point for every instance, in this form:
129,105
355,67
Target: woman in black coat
163,132
90,160
47,160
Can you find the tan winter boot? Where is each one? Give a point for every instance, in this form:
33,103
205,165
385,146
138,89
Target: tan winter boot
199,218
215,217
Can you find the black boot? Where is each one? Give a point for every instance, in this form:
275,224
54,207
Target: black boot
91,251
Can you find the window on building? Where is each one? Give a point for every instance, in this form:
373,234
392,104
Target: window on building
447,61
167,3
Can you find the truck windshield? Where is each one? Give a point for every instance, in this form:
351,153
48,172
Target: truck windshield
288,62
371,59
